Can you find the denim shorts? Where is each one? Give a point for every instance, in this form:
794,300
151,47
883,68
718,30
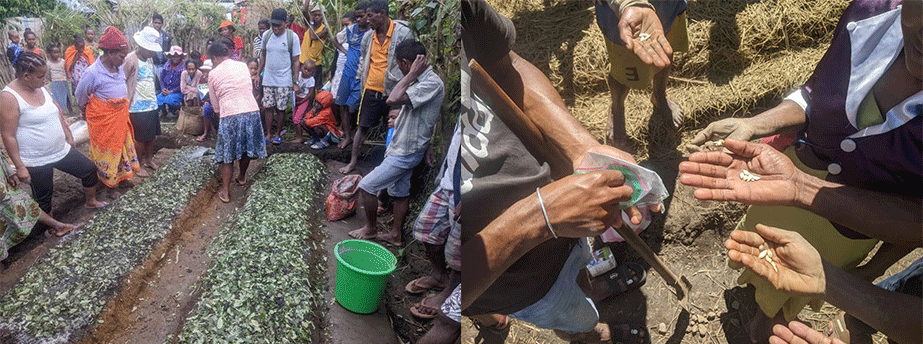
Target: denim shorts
393,173
565,307
908,281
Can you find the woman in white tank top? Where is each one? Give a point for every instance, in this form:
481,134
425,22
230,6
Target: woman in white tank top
37,138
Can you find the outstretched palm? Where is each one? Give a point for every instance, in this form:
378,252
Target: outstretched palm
797,269
718,175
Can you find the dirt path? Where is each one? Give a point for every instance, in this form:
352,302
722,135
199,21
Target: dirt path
157,295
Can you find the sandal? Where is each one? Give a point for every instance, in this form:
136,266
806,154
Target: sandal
627,334
493,334
416,286
423,311
621,280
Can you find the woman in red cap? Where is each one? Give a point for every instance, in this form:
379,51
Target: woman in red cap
227,30
103,95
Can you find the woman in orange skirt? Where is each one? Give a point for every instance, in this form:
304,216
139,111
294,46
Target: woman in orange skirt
103,95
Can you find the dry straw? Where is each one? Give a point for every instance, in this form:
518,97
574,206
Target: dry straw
744,55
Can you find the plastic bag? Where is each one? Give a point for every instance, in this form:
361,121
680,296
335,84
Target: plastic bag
648,188
343,200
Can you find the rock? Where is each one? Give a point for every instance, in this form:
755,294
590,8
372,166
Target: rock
662,328
735,304
703,330
712,315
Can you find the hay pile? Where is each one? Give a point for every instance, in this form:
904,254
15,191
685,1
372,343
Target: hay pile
743,53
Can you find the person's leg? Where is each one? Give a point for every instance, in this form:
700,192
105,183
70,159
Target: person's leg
42,185
616,135
243,165
358,140
299,136
395,236
59,228
226,170
369,230
267,122
444,331
492,328
668,111
140,150
149,155
78,165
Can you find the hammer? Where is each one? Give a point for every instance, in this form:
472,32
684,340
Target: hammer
533,139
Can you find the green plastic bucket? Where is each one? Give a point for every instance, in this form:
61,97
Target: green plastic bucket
362,274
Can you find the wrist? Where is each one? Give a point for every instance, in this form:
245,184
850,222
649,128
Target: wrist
806,189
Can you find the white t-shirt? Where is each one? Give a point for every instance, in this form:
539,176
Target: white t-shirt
278,70
303,85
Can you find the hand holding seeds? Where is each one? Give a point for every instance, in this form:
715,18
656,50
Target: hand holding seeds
752,174
641,31
783,257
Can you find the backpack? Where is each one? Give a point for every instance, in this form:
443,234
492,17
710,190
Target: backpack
289,34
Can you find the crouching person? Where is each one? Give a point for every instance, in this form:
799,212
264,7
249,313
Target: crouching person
321,122
419,94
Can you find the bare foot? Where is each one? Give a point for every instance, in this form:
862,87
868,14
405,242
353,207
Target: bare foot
671,111
200,138
61,230
364,233
297,141
95,204
345,143
127,183
223,196
391,239
143,173
241,180
348,168
150,164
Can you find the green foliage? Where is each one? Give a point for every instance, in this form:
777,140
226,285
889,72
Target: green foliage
27,8
65,290
60,25
260,288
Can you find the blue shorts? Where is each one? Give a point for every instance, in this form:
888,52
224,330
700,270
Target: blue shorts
172,99
393,173
909,281
565,307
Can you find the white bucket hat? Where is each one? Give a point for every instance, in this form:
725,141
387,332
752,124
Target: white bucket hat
207,65
147,39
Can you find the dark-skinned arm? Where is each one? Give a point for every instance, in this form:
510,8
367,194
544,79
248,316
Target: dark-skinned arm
522,227
787,117
9,122
398,95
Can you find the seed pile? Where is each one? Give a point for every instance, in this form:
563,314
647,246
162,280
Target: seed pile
66,289
747,176
766,254
261,289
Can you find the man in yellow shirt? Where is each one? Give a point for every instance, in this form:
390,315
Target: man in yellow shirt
379,71
313,39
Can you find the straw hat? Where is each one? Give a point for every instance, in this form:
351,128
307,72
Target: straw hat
175,50
225,24
147,39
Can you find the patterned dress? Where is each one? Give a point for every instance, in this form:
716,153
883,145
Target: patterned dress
18,211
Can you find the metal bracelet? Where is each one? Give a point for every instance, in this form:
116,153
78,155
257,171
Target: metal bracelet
545,213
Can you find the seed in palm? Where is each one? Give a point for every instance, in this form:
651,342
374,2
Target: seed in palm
747,176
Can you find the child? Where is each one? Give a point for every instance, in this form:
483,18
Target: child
321,123
14,48
303,98
32,43
254,67
263,25
190,84
57,73
208,114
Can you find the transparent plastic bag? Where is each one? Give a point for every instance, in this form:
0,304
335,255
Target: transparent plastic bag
648,188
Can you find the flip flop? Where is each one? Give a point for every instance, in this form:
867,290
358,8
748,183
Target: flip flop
493,334
837,328
97,208
415,286
621,280
418,309
628,334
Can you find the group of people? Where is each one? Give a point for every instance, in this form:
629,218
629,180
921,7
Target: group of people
831,171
